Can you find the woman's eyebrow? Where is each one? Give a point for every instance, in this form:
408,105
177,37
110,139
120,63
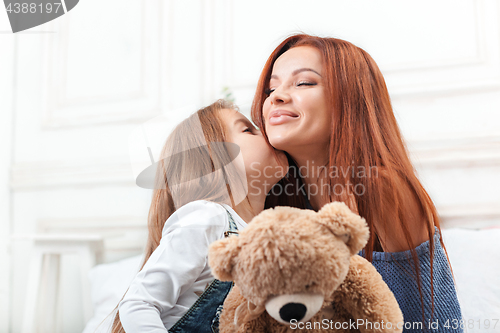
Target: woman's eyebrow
300,70
297,71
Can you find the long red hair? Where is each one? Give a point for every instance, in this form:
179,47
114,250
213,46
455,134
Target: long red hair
365,134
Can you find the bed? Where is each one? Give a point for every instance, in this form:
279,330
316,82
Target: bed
474,255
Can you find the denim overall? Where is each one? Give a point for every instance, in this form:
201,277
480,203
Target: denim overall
203,316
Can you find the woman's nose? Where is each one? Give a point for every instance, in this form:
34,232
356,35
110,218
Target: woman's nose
280,96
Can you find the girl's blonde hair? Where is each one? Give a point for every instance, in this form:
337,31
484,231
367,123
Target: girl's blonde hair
195,165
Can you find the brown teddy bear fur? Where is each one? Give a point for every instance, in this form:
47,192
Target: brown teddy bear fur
288,250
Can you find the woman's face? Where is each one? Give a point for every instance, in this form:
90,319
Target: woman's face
296,114
260,164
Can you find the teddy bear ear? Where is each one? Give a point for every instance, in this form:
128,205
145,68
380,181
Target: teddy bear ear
220,257
343,223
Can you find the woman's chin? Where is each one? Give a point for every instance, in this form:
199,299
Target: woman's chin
280,143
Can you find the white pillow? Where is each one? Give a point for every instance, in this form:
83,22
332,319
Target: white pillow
108,283
474,257
475,260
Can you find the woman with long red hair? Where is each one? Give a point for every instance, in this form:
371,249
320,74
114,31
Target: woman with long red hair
325,103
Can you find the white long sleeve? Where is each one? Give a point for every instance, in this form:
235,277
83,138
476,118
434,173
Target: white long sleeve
177,271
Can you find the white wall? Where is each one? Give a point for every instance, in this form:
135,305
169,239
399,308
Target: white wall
72,93
7,61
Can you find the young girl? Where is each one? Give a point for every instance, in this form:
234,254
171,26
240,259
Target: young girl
205,189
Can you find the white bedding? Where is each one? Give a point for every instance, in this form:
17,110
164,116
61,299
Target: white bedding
474,256
475,261
109,282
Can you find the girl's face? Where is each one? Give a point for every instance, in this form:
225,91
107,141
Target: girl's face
260,164
296,113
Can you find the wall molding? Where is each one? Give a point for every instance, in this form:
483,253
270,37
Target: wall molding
470,216
480,58
59,111
123,235
431,78
44,175
482,72
216,30
458,152
8,87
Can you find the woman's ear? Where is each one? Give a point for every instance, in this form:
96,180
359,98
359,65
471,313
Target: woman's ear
220,257
343,223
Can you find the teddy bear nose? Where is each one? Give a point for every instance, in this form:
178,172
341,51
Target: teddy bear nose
289,308
291,311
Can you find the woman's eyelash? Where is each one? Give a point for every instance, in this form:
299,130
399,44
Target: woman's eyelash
268,91
306,84
247,129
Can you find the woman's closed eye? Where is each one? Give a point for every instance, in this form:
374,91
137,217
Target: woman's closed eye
268,91
306,84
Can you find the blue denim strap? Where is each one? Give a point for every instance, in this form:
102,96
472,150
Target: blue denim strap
233,229
203,315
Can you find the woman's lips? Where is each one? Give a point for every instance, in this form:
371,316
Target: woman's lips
278,117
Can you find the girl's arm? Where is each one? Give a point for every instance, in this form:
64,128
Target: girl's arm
173,267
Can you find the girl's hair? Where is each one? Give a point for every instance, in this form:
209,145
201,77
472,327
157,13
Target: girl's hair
364,134
194,166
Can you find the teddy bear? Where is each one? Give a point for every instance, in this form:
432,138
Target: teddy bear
297,270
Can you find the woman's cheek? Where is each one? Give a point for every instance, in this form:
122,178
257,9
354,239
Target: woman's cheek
265,109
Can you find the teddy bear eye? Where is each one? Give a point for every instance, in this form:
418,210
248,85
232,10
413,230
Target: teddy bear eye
310,285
